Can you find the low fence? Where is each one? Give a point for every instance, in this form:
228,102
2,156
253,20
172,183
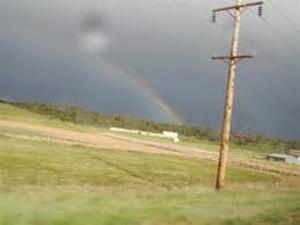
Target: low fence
165,134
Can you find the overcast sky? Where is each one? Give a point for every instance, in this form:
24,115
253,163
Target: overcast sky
100,54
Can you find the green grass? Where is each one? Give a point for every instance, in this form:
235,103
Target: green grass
133,208
9,112
12,113
254,151
25,162
45,182
50,183
250,151
82,116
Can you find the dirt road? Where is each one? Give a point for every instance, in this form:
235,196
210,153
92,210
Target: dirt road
87,139
118,142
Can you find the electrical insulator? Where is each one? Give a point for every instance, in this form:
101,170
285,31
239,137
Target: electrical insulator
214,17
260,10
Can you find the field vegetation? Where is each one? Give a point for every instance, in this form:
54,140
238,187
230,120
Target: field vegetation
190,134
46,181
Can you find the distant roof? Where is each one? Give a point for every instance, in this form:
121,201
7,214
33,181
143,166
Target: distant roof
278,155
287,158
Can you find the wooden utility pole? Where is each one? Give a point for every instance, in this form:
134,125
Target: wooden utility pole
232,61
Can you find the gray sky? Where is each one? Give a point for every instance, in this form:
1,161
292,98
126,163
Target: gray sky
165,44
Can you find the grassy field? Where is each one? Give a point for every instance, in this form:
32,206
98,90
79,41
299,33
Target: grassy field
9,112
46,182
255,152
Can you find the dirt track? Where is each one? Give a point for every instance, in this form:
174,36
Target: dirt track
111,141
96,140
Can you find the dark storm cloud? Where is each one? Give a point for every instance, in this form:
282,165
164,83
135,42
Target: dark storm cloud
168,44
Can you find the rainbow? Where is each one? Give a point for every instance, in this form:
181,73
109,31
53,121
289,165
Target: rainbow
123,73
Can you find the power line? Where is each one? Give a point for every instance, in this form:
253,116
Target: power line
264,20
284,16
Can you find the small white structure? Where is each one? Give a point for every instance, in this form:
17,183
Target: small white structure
172,135
116,129
166,134
283,158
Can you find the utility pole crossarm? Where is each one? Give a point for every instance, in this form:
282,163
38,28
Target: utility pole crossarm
239,6
232,57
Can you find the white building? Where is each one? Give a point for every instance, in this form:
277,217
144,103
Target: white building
172,135
284,158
